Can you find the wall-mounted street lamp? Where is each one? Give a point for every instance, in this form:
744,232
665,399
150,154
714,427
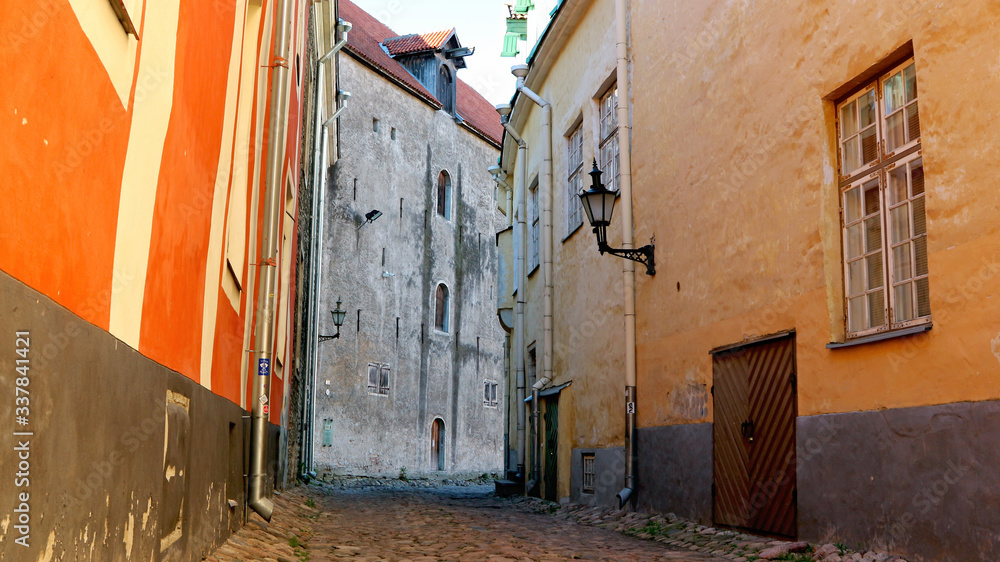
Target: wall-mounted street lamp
371,216
338,320
599,204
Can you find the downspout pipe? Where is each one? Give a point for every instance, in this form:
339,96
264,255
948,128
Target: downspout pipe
268,262
520,71
628,234
316,264
520,273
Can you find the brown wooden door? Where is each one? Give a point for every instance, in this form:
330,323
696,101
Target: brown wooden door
754,434
437,436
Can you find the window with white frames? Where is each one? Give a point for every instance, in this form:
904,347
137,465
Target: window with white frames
882,205
378,379
574,181
533,217
490,394
609,139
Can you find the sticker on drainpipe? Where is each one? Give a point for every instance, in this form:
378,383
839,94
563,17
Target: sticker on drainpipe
264,367
630,408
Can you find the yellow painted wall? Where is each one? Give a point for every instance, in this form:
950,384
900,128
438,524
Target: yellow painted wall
734,170
588,326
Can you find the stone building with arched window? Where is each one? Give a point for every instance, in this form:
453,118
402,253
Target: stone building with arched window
405,384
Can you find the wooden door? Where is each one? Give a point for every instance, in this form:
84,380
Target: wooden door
754,436
437,450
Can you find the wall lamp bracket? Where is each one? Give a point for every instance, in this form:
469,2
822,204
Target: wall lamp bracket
338,321
599,204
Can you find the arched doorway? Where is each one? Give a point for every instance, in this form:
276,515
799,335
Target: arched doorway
437,443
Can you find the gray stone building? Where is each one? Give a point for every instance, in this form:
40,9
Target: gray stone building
411,381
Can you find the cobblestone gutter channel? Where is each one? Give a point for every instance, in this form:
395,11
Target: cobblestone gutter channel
388,519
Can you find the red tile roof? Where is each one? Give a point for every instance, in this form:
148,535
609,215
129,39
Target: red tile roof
364,42
415,43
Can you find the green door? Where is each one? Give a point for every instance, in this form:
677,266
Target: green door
551,433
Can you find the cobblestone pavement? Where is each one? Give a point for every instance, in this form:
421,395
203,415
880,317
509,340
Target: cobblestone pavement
449,522
369,519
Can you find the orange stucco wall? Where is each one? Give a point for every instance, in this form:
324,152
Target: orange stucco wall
66,138
175,278
61,159
746,211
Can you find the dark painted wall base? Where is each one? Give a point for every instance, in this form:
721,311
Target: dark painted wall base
675,470
124,458
923,483
609,476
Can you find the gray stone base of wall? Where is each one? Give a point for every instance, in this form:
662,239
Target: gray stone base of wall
125,459
923,483
609,476
675,470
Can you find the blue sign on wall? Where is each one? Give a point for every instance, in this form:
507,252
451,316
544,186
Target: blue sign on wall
264,367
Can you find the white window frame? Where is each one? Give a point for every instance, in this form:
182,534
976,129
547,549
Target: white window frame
490,397
574,180
608,147
533,212
857,246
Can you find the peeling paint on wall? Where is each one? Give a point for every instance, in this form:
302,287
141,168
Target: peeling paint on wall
995,346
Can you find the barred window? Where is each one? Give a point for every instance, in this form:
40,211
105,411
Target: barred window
882,205
588,473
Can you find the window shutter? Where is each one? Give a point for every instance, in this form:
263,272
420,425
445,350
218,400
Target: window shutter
372,376
383,383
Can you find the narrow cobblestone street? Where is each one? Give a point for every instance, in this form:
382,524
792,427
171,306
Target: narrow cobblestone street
451,522
360,518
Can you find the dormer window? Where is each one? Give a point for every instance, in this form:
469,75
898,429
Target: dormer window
432,59
446,89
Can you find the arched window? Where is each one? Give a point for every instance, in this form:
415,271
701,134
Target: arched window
444,195
445,89
441,308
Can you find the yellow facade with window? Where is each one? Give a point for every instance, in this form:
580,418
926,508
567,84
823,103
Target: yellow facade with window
819,171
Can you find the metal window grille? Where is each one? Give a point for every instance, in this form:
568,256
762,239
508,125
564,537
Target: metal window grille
886,281
588,473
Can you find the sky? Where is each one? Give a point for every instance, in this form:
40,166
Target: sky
478,23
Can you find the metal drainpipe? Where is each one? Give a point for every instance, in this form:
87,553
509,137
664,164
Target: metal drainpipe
319,215
628,233
521,275
536,442
520,71
265,325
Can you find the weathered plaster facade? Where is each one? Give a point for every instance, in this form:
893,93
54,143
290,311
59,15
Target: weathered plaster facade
393,147
735,173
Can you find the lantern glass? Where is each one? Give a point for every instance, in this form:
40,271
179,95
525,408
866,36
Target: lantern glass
338,315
